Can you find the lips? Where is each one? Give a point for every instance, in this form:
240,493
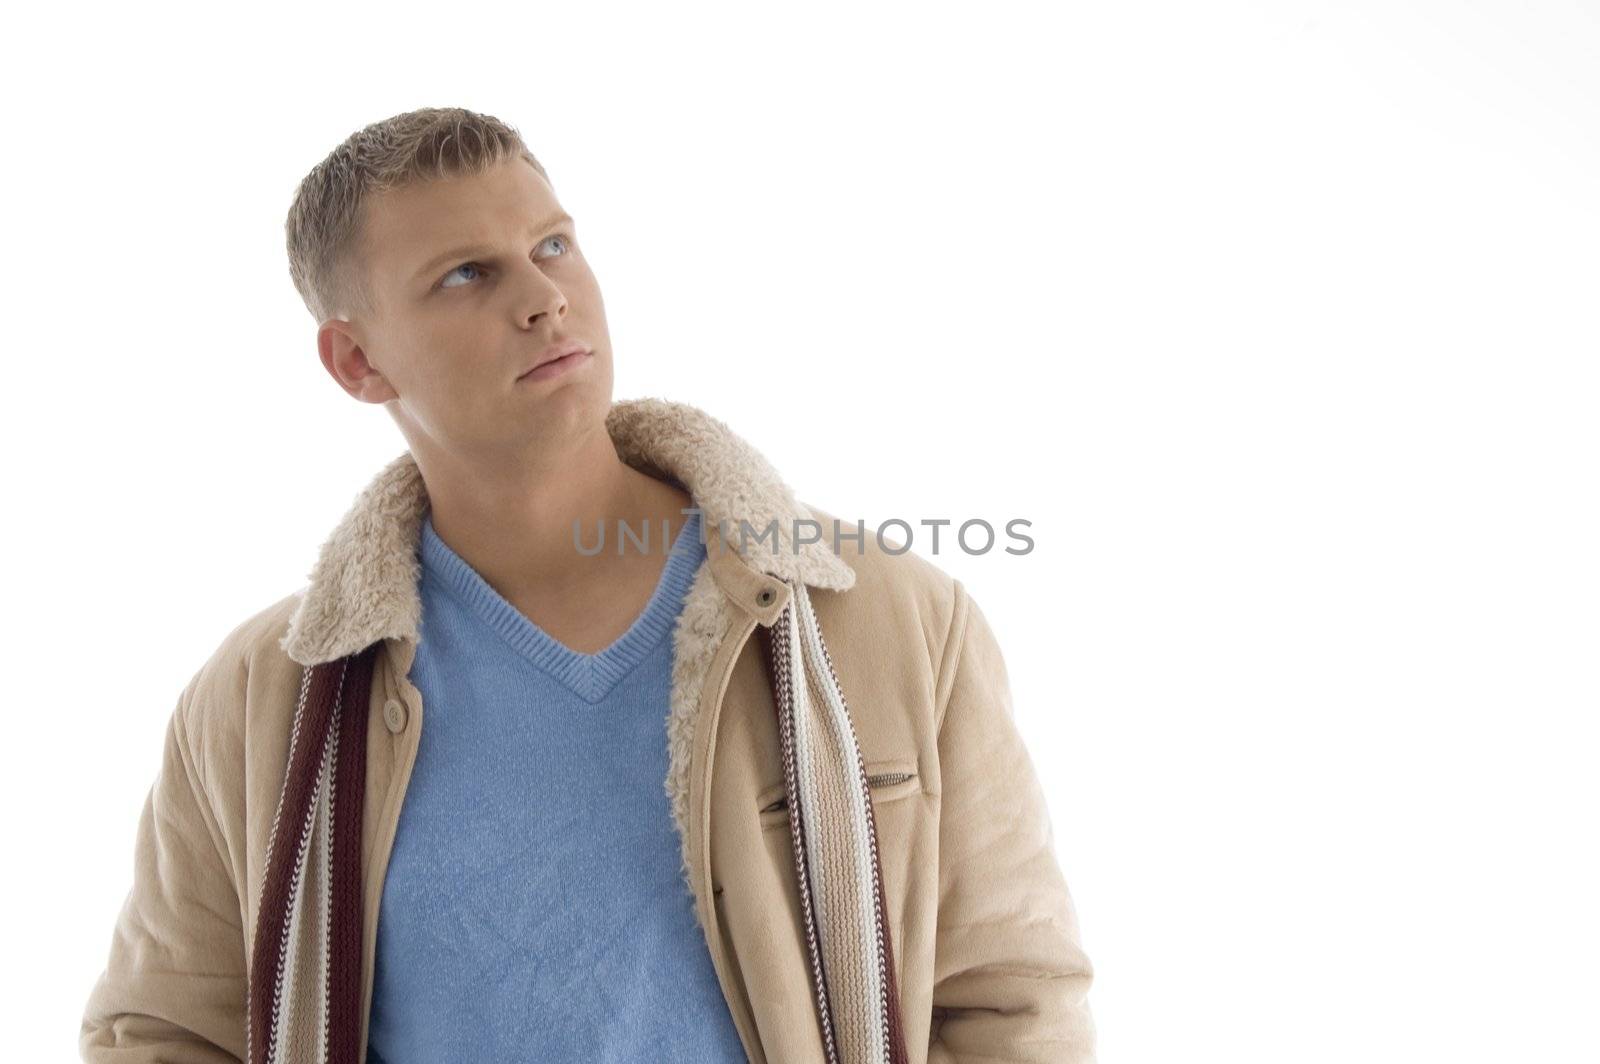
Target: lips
555,351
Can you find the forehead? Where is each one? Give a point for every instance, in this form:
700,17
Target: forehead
406,226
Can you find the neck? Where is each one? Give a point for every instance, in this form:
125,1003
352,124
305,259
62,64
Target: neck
514,523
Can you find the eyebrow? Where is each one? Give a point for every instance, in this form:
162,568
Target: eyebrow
482,252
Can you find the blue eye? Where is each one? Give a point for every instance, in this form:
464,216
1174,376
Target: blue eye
565,240
447,276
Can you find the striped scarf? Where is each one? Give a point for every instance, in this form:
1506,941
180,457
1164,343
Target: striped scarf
835,841
305,973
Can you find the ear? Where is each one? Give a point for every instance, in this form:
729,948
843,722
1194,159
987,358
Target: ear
342,356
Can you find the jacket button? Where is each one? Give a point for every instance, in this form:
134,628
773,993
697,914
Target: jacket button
394,715
766,596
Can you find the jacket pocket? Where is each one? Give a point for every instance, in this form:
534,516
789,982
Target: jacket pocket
888,779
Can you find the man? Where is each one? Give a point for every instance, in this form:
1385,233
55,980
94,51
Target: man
476,793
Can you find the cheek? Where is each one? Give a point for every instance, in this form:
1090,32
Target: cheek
440,370
582,283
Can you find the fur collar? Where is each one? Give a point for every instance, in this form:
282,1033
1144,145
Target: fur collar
364,584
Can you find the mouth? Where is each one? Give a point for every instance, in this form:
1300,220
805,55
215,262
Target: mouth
556,360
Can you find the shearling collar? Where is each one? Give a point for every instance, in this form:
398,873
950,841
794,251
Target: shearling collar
364,584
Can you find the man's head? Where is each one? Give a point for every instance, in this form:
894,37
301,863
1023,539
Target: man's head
439,265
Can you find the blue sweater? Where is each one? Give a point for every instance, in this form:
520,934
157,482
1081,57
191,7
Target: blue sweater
534,908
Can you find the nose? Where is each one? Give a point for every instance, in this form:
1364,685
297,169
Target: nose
540,297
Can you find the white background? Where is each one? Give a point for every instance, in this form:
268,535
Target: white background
1277,320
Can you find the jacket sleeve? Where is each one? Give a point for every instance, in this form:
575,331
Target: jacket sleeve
173,989
1011,979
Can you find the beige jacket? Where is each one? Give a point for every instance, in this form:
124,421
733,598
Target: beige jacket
985,936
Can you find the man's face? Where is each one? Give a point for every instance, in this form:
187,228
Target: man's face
473,279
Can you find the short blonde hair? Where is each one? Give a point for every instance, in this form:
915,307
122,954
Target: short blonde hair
324,227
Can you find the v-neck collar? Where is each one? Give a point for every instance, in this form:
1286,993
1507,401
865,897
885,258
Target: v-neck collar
590,676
